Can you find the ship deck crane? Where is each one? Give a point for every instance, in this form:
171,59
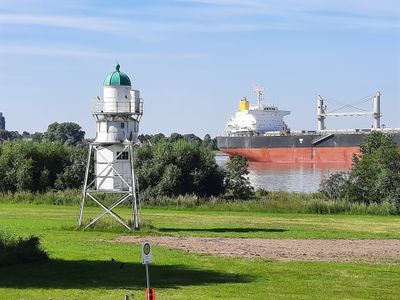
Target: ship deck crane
375,113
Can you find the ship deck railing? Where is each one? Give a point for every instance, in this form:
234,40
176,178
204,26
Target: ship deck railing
313,132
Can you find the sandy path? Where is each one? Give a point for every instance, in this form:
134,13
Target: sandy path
281,249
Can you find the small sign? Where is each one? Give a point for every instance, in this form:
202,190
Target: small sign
146,253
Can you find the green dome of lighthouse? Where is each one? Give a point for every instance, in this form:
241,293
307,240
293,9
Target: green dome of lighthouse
117,78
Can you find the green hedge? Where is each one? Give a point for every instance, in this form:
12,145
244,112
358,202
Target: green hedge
15,250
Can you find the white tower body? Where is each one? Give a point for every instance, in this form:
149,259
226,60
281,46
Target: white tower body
117,117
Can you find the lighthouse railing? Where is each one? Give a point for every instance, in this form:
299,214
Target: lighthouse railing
101,106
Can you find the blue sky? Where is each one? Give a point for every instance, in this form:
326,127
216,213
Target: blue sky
193,60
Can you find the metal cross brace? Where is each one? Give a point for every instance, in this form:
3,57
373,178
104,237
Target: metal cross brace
130,193
108,210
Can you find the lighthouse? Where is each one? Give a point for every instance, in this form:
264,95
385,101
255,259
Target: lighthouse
117,115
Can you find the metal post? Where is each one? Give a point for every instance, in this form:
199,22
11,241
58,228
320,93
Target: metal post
134,198
259,92
376,113
320,113
148,281
139,203
85,186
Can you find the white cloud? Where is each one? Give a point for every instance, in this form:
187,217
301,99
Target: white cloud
50,51
222,16
285,8
46,50
57,21
144,30
222,2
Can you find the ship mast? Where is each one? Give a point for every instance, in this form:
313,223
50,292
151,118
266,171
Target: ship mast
259,92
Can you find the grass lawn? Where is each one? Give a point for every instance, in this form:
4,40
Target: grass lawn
81,265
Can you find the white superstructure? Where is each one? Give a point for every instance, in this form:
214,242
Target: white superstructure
256,119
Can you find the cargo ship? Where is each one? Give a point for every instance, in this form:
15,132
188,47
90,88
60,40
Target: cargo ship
260,133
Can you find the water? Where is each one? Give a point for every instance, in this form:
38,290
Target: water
288,177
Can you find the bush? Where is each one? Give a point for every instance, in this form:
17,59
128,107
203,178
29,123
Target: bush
261,193
36,167
374,177
335,186
18,250
169,169
237,182
73,174
164,169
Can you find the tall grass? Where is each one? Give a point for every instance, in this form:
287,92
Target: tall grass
274,202
320,206
66,197
277,202
53,197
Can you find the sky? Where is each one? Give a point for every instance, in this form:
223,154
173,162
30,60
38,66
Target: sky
193,60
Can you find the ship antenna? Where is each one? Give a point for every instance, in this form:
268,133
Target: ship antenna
259,92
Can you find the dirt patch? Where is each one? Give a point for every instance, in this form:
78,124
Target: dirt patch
281,249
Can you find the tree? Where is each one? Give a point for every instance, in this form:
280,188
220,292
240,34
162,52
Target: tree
237,182
375,141
192,138
175,137
144,138
375,174
9,135
4,135
36,167
26,135
37,136
177,168
157,138
210,143
73,174
335,186
68,133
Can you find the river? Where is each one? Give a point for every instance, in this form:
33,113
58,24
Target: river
288,177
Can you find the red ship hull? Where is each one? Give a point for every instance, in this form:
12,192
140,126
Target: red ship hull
297,155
